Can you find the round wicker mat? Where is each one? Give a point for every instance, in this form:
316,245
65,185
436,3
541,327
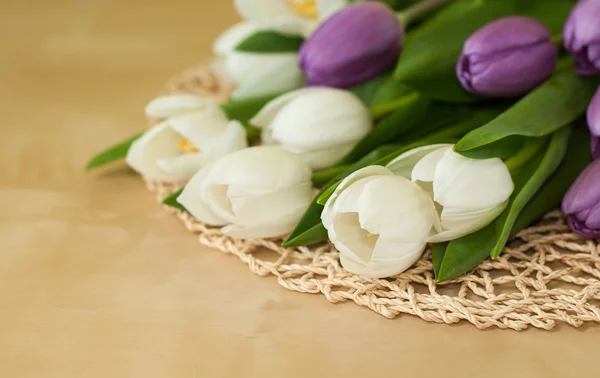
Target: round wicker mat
546,276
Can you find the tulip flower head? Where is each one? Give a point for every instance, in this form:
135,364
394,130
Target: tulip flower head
321,125
255,74
378,222
581,204
582,37
354,45
194,134
258,192
469,193
288,16
506,58
593,119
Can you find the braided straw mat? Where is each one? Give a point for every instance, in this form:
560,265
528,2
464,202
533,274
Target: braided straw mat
546,275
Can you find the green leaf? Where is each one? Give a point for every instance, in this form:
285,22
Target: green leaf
114,153
552,158
309,230
466,253
438,251
244,109
556,103
171,200
269,41
382,94
428,61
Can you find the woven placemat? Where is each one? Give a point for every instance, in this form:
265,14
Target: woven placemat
547,275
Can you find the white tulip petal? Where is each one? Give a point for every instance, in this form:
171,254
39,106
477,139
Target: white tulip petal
258,231
408,254
269,167
268,113
322,118
395,208
263,10
182,166
232,37
263,74
425,169
282,206
457,228
469,183
172,105
326,8
404,164
289,25
328,211
201,127
157,143
321,159
234,138
191,199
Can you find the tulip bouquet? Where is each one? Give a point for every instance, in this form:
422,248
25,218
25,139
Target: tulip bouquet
444,123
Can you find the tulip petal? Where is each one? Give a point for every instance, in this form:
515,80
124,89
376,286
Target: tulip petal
184,166
584,193
395,208
232,37
328,211
320,119
593,115
266,168
458,223
157,143
282,206
191,199
321,159
172,105
471,183
425,169
201,127
263,74
326,8
268,113
263,10
258,231
234,138
404,164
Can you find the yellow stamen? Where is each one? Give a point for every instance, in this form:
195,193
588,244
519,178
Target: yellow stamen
304,8
187,147
370,235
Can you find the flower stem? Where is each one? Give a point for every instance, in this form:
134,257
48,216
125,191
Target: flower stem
323,177
381,110
557,40
419,10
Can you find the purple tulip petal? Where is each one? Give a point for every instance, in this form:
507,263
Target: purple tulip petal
352,46
593,114
582,37
584,193
506,58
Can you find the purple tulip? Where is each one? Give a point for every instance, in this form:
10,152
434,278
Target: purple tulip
581,205
354,45
593,119
506,58
582,37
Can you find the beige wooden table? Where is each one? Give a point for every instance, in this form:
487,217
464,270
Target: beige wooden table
96,281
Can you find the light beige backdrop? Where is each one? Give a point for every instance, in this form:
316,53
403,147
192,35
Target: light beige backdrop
96,281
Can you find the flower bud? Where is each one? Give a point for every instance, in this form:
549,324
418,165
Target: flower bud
378,222
354,45
258,192
321,125
582,37
593,119
194,134
506,58
581,204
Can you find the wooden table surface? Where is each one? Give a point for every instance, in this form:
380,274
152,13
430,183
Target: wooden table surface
98,282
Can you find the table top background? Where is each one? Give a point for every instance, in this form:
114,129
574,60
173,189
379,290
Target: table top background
97,281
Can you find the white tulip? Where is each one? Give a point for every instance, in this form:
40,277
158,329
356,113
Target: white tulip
257,192
194,134
255,74
319,124
289,16
379,222
469,193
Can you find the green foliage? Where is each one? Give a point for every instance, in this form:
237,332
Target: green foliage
114,153
268,41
